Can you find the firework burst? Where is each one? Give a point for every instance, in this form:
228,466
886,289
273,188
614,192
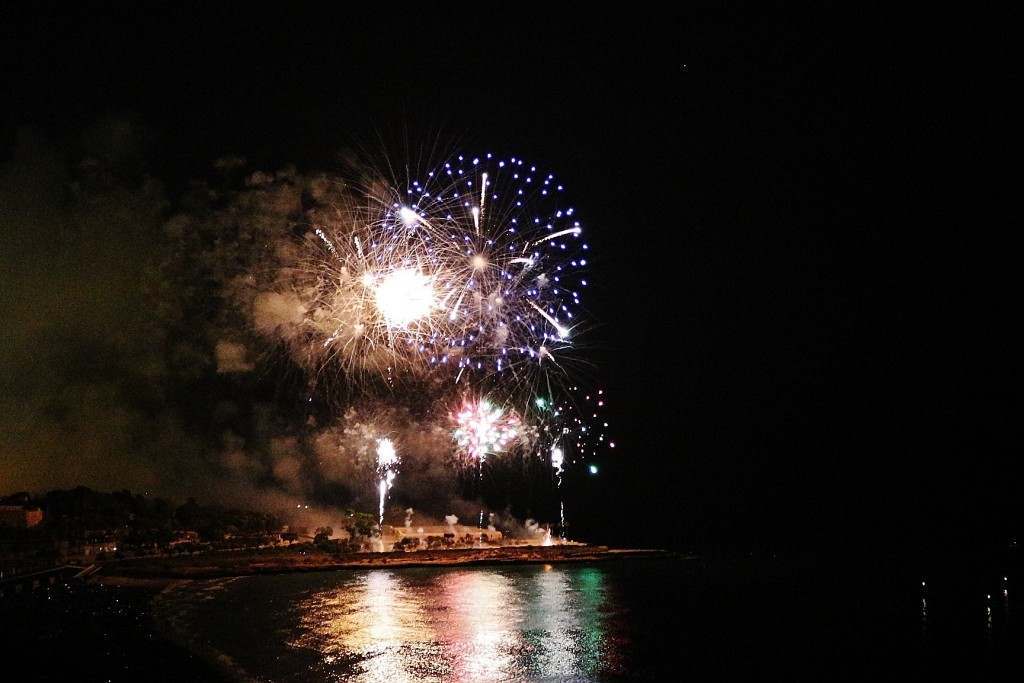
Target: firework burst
483,428
373,294
513,257
583,429
473,275
430,294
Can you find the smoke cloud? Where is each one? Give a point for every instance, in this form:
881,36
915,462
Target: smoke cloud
168,345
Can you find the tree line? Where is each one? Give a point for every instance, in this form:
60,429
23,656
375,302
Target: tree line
140,523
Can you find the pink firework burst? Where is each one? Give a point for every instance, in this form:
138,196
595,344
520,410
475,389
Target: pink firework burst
483,428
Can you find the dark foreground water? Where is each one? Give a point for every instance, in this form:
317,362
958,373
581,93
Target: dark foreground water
649,620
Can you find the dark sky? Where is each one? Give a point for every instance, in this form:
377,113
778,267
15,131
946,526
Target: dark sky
806,291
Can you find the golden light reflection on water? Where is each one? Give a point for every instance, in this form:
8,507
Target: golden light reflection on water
482,608
459,625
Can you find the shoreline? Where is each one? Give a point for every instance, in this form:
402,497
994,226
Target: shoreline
156,579
244,563
107,625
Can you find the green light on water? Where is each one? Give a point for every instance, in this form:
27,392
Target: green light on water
593,469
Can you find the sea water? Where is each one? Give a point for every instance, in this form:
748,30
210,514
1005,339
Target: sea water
631,620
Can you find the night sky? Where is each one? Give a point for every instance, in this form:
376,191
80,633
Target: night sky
805,293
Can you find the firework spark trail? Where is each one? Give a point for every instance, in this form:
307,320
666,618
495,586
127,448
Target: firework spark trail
557,462
387,462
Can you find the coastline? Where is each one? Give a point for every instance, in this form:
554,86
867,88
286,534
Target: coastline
106,627
242,563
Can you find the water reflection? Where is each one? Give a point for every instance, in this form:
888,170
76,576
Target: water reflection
461,625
